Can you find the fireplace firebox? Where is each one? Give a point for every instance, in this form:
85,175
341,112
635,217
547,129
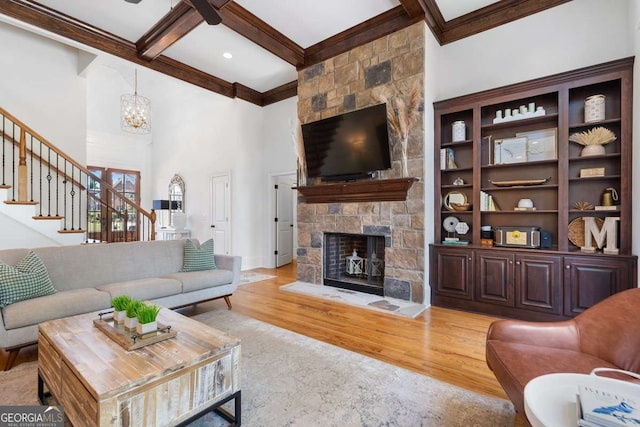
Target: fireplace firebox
354,261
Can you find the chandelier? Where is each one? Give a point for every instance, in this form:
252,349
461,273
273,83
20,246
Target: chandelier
135,111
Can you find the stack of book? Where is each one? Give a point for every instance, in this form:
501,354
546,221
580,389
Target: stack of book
486,203
602,407
447,159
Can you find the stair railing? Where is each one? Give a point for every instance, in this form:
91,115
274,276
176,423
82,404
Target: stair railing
37,172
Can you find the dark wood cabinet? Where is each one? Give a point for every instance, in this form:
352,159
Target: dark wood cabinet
494,277
454,273
539,282
588,280
516,148
528,284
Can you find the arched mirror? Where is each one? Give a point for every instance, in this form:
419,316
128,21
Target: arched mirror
176,202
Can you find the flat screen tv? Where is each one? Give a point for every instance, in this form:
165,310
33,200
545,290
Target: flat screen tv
349,146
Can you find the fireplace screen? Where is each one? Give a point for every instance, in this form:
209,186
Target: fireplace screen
354,261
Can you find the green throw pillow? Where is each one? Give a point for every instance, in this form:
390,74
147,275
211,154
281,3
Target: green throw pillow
27,279
198,258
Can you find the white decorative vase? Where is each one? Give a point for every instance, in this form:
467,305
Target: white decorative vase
130,323
119,316
179,220
145,328
592,150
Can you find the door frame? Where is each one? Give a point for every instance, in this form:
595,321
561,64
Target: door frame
271,209
213,176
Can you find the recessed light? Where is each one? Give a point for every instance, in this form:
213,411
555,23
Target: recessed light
227,55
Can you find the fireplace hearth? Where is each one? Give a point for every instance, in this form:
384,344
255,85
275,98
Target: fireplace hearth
355,262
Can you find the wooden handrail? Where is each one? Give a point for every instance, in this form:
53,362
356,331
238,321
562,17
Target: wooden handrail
24,127
23,180
9,138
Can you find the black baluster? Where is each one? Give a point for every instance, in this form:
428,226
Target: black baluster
31,168
13,164
73,195
40,178
49,177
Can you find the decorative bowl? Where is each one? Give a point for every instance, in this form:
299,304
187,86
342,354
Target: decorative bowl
460,207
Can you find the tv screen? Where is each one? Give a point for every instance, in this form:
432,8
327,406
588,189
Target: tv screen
348,146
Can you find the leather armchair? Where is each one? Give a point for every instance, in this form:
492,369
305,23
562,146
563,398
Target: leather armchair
605,335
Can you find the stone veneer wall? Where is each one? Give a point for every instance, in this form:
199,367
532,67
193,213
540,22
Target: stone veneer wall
391,66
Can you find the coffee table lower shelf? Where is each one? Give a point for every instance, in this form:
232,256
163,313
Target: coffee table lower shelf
234,419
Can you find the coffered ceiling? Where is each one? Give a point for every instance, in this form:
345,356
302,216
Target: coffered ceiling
269,40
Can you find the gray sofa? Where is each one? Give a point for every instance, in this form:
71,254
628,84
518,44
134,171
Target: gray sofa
86,277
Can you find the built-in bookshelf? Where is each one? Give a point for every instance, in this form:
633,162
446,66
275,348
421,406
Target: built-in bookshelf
517,170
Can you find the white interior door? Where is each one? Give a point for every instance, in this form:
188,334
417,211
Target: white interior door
284,220
221,213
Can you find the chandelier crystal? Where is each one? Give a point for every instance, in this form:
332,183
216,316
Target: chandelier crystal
135,111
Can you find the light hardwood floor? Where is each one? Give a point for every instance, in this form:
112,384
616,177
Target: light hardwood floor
444,344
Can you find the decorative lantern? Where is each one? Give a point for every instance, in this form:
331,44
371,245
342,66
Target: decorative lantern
355,264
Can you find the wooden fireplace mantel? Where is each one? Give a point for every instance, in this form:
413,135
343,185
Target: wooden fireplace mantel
382,190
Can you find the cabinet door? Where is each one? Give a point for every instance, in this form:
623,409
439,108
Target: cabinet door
494,277
453,272
590,280
539,282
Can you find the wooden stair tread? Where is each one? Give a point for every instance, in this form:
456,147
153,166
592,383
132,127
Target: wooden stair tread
76,231
19,202
46,217
6,186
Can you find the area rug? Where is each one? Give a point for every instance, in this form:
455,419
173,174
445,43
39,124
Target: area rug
359,299
292,380
251,276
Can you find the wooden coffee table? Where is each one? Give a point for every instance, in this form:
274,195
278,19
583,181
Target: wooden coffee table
172,382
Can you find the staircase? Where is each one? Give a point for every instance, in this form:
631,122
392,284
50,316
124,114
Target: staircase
49,199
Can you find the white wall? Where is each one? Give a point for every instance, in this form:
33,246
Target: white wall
279,135
107,144
573,35
40,85
197,134
431,48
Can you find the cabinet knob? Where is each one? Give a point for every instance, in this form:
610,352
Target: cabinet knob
567,267
469,258
510,262
517,262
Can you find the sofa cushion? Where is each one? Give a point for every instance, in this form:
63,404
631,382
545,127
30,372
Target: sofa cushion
110,263
196,280
58,305
198,258
143,289
515,364
27,279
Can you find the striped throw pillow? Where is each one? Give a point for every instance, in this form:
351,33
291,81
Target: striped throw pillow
27,279
197,258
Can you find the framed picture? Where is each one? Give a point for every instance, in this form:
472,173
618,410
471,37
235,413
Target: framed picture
541,144
510,150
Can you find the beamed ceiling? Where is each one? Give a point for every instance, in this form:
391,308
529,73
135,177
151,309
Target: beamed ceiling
172,37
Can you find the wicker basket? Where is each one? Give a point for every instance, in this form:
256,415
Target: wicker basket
576,232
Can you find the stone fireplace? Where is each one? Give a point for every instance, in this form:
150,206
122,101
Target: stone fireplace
354,261
389,66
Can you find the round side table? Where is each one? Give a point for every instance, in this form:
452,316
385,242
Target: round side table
550,400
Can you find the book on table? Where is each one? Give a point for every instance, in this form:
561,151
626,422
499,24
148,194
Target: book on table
606,407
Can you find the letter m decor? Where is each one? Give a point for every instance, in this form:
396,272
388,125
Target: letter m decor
608,233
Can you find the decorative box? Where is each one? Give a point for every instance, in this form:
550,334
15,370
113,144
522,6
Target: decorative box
518,237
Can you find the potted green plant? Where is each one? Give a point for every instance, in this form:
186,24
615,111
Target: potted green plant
147,315
119,304
131,320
